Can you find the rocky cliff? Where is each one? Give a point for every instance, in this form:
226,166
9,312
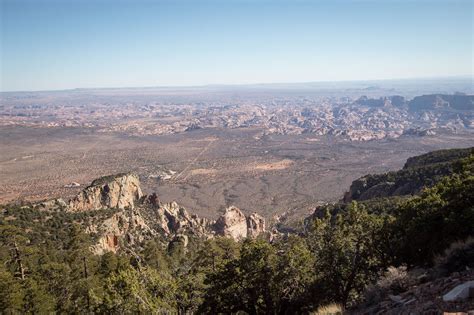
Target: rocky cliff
118,191
233,223
140,217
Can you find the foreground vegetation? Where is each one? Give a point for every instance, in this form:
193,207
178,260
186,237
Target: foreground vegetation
46,265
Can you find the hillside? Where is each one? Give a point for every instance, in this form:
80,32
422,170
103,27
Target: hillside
419,172
113,250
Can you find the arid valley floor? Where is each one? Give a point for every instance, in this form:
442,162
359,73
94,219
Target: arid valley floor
213,168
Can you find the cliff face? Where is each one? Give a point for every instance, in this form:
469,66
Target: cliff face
119,191
172,219
255,225
232,223
126,227
144,217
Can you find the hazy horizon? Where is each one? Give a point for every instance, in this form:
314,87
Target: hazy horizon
313,84
53,45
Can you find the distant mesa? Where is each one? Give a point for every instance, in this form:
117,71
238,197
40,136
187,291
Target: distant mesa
442,101
395,100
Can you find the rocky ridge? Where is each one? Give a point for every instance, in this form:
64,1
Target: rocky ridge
419,172
139,217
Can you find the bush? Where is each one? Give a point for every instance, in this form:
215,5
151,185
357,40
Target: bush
457,257
394,281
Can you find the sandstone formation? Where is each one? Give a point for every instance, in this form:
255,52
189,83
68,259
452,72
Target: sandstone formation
127,226
119,191
139,217
255,225
232,223
171,219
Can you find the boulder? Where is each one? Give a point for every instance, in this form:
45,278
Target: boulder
460,292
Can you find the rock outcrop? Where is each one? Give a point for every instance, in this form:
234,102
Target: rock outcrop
126,227
255,225
460,292
233,223
172,219
427,298
139,217
118,191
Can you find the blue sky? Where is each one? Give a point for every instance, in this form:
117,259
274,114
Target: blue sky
65,44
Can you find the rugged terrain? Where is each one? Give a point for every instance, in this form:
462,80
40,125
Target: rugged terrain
112,248
213,169
356,119
137,217
281,147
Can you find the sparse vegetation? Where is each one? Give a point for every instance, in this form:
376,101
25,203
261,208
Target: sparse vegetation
347,255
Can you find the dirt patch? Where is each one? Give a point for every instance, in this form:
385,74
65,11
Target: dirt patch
203,171
280,165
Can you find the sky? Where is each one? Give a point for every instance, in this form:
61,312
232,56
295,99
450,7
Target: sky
64,44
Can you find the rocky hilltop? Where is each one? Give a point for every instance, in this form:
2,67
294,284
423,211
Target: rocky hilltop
138,217
117,191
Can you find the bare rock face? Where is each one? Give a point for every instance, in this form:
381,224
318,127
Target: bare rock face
255,225
173,219
233,223
124,226
118,191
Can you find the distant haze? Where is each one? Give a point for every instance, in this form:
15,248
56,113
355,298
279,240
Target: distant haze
52,45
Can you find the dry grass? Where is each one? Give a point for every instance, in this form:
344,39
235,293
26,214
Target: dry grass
330,309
